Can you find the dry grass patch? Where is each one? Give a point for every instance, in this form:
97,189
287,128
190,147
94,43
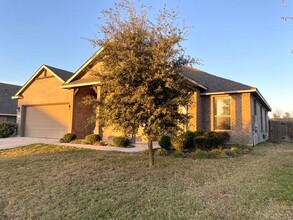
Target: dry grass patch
53,182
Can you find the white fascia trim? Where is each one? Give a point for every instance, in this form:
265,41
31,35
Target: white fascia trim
240,91
17,97
33,77
3,114
229,92
84,66
263,99
66,86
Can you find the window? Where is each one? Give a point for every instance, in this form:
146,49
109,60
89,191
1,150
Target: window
222,113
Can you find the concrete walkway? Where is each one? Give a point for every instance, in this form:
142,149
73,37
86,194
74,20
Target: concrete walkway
11,142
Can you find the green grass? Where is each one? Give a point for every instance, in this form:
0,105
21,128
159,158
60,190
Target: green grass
52,182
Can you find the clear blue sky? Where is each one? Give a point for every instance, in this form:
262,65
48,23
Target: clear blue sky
245,40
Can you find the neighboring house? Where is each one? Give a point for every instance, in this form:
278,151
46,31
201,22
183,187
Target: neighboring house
51,105
8,107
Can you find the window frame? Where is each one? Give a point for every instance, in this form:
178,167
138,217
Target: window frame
214,100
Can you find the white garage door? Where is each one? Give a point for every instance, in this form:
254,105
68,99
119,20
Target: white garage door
47,121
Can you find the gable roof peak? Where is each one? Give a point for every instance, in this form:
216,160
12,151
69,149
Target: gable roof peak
61,75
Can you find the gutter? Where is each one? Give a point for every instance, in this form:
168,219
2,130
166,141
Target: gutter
3,114
17,97
68,86
263,99
241,91
229,92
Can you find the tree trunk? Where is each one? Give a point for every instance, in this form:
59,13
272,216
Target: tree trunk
151,152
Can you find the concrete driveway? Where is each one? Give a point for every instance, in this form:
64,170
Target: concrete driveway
11,142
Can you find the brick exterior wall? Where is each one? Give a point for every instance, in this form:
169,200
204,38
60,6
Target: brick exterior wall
206,113
245,108
83,113
193,112
241,130
241,119
43,90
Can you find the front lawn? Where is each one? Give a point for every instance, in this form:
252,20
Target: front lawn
52,182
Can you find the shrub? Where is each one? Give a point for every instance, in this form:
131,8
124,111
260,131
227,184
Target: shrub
68,138
235,150
162,152
198,133
223,137
77,141
200,154
216,154
211,140
92,138
183,141
189,142
165,142
231,152
7,129
121,141
178,143
100,143
201,141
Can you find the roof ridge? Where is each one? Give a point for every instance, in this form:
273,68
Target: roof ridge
57,68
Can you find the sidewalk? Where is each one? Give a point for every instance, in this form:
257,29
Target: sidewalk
11,142
138,147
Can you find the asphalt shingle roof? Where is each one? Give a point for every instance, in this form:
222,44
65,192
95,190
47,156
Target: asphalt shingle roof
7,105
212,82
63,74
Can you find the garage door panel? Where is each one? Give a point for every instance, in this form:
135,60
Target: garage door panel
50,121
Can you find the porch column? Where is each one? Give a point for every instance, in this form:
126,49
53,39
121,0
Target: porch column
20,114
98,129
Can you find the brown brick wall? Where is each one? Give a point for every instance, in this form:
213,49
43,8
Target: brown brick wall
45,91
241,132
193,112
82,113
206,113
241,119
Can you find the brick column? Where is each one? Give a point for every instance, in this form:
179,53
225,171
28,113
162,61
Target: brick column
98,129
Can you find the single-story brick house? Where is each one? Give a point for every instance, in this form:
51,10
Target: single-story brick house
50,105
8,107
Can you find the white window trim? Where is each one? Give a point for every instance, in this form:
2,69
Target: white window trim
214,116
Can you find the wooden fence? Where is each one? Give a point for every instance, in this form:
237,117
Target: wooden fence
281,130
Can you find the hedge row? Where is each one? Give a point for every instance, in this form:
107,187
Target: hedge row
203,154
206,140
7,129
94,139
